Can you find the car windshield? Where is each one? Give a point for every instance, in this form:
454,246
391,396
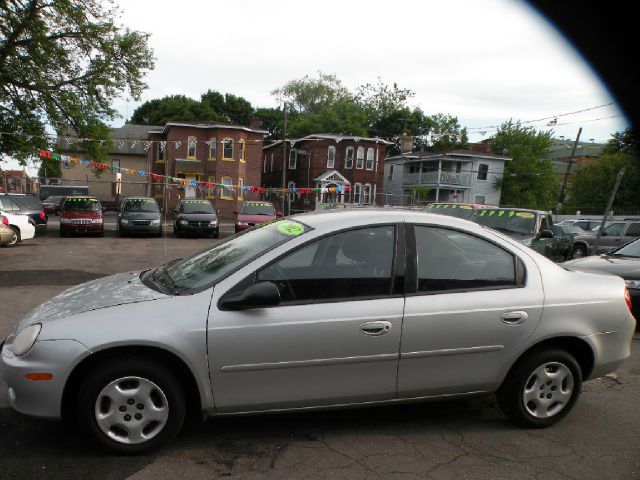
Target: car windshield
506,221
140,205
458,211
196,206
209,267
629,250
84,204
257,209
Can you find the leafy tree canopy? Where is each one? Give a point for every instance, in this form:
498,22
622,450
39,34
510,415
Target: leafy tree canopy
172,108
63,63
529,180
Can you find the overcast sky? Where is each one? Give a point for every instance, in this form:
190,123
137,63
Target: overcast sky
484,62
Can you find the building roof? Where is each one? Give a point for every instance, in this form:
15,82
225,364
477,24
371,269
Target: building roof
125,133
205,125
407,157
328,136
562,149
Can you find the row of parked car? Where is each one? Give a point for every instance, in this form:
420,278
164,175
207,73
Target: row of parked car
21,216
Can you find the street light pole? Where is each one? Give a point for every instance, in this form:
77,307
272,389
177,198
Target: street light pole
284,157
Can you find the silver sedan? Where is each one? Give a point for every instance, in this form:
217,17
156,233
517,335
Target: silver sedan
348,307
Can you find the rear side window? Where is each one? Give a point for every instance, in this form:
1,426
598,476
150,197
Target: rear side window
452,260
357,263
633,230
7,205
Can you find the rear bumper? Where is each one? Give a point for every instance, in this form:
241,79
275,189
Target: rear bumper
611,349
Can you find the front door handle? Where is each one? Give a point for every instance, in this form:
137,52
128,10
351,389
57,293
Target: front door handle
375,328
514,318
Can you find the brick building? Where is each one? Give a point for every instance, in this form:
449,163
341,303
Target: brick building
326,161
210,152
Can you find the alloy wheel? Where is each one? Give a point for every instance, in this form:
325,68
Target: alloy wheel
548,390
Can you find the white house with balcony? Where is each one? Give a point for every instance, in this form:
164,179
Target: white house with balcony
457,176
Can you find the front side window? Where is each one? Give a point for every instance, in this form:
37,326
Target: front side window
614,230
633,230
452,260
348,265
370,158
331,157
483,171
227,149
293,158
348,158
208,267
360,158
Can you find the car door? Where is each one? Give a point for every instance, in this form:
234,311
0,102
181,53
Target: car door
333,339
473,303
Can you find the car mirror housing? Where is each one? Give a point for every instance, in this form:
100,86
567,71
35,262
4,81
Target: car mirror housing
546,234
262,294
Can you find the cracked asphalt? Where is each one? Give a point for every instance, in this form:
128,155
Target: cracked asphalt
467,439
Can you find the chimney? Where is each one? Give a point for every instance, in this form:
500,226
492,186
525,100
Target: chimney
406,143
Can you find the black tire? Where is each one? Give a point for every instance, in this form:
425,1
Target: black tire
101,376
15,240
579,251
63,233
521,378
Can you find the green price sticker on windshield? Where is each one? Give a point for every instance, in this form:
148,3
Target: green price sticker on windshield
293,229
525,215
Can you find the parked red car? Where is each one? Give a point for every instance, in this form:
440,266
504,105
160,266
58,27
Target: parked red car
81,213
255,213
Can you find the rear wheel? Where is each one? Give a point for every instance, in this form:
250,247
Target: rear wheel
579,251
541,388
131,406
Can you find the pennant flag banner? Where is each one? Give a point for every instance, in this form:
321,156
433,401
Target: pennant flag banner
69,160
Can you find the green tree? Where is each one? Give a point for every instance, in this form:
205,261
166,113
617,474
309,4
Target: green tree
172,108
272,121
310,95
529,180
63,63
231,108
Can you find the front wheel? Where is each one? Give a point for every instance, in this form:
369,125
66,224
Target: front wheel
579,251
132,407
541,389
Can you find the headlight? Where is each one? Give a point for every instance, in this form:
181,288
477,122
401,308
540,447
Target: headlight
65,220
183,222
155,222
213,223
635,284
25,339
124,221
96,220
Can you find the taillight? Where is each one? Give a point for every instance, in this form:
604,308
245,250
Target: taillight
41,214
627,298
5,221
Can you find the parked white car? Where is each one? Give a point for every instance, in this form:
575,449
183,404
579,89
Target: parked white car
22,226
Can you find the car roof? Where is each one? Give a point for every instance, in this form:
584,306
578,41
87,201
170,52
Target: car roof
78,196
517,209
138,198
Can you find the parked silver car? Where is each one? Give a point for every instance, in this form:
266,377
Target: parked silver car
348,307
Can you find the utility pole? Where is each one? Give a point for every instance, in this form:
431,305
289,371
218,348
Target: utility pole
609,204
285,111
566,174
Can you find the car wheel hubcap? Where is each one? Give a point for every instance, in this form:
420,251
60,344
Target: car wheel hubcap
548,390
578,253
14,238
131,410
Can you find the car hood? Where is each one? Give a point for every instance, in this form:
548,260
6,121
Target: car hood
255,218
197,217
103,292
141,215
625,267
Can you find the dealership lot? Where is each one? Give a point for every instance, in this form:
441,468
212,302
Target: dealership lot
462,439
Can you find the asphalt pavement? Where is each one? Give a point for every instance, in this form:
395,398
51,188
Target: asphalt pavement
468,439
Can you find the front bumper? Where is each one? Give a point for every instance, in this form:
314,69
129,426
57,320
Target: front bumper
84,227
198,229
40,398
149,229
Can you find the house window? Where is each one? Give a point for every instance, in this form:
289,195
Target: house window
213,149
331,157
391,172
293,158
271,168
241,146
292,196
226,193
360,158
367,194
481,199
264,164
160,154
240,185
483,170
357,193
373,197
211,191
376,159
227,149
348,158
115,164
458,167
370,158
191,147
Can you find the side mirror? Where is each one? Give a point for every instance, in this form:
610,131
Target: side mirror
279,214
217,211
263,294
546,234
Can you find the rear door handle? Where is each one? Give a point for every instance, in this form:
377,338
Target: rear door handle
375,328
514,318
